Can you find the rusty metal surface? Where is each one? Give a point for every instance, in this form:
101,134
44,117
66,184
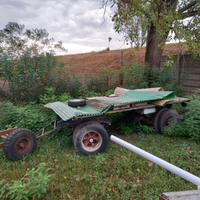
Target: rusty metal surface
163,197
7,131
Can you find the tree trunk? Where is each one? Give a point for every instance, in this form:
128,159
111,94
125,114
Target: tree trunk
153,51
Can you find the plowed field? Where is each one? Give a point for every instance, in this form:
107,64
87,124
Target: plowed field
81,63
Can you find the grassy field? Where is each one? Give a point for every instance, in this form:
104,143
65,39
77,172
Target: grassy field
116,174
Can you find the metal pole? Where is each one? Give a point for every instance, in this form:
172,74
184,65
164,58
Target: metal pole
172,168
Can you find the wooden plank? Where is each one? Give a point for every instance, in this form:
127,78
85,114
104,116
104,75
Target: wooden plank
7,131
191,64
191,77
188,57
121,107
3,136
191,70
139,104
133,108
188,89
191,83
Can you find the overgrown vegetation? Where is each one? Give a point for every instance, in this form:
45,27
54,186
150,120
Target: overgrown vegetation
37,80
28,82
189,126
71,177
34,184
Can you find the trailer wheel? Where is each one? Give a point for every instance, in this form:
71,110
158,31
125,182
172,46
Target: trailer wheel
76,102
165,119
156,118
19,143
90,138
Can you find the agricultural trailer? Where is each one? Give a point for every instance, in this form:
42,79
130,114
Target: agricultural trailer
88,121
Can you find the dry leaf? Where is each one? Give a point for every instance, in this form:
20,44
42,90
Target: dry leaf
114,190
138,170
68,196
134,185
150,164
55,160
109,189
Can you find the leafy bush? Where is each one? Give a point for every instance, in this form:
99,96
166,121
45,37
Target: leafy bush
134,76
165,77
33,185
189,126
126,124
31,116
28,76
50,96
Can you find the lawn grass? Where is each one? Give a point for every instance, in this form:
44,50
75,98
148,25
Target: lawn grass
116,174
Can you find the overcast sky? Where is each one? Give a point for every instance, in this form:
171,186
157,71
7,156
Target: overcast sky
77,23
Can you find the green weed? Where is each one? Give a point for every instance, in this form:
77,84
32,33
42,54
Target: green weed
33,185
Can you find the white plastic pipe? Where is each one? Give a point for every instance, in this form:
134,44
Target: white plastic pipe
172,168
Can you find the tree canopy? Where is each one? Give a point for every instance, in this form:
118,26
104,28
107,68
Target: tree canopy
163,20
15,40
24,63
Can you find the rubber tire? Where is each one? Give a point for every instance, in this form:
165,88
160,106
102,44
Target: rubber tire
82,125
76,102
13,137
83,129
164,116
157,116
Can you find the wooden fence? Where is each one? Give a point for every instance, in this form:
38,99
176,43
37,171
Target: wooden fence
188,70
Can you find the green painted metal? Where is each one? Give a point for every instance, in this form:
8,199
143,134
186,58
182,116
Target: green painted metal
100,106
149,95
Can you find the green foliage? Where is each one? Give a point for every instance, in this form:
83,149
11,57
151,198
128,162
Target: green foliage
31,116
23,64
99,161
168,21
28,76
134,76
165,77
50,96
127,125
121,173
33,185
189,126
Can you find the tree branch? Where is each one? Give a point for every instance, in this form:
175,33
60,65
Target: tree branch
189,14
187,6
